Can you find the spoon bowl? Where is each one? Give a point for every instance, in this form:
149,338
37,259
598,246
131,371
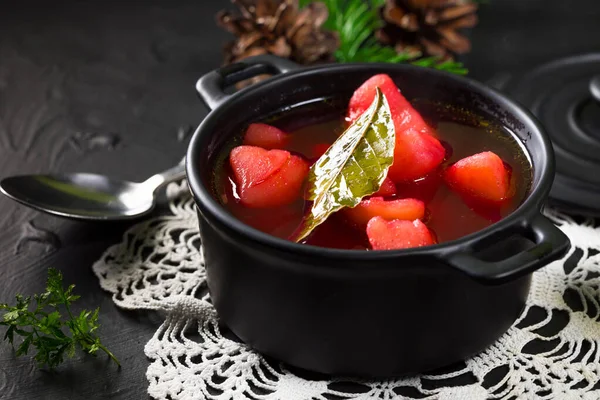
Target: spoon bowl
88,196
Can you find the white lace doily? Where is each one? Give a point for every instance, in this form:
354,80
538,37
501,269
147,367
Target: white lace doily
551,352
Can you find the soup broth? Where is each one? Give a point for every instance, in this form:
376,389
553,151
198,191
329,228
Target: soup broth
448,216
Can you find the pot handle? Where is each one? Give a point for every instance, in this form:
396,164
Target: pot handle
211,86
550,244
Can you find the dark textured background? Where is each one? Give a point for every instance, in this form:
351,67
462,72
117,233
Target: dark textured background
108,87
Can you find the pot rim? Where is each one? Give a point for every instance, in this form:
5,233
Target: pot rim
526,211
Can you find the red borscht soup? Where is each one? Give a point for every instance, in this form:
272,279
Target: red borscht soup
453,173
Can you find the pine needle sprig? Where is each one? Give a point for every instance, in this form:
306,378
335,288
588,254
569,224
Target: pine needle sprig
448,66
356,22
41,324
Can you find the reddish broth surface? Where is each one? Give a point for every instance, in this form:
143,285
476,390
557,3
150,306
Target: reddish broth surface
447,215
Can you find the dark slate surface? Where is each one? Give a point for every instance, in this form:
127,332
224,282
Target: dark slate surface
108,87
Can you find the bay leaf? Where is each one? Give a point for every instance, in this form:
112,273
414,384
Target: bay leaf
353,167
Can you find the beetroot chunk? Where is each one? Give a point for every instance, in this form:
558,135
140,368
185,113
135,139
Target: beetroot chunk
482,176
397,234
265,136
404,209
417,151
267,178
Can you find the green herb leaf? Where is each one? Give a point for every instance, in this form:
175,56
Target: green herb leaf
46,329
24,346
11,316
353,167
10,333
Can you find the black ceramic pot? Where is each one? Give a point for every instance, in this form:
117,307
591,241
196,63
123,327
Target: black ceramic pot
365,313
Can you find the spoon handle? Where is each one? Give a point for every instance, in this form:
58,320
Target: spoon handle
173,174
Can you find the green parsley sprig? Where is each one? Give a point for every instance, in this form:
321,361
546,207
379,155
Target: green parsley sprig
356,22
41,325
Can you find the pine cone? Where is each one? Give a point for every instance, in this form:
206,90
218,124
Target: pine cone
428,27
278,27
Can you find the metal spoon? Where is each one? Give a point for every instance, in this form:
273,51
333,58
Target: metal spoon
89,196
